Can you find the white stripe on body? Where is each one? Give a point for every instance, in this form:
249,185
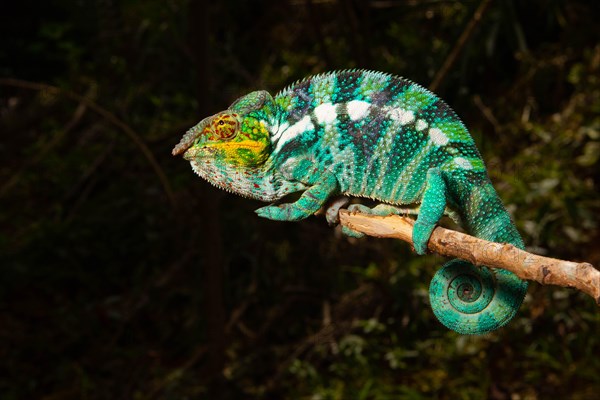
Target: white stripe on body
286,134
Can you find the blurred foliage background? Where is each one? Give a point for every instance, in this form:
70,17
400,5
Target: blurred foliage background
125,276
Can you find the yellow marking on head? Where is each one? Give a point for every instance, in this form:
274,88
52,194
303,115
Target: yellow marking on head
246,152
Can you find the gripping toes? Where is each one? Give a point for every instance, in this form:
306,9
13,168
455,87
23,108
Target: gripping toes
333,209
421,233
283,212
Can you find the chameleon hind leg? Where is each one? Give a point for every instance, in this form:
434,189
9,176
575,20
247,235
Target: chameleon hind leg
431,211
474,300
465,298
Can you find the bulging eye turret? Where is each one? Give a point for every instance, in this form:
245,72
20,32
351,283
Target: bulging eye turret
225,126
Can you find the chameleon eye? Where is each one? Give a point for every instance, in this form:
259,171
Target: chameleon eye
226,126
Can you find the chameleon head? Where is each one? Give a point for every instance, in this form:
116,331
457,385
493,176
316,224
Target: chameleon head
237,137
230,148
226,138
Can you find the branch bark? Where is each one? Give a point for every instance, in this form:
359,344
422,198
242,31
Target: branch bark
446,242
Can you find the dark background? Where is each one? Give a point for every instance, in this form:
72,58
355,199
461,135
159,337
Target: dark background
125,276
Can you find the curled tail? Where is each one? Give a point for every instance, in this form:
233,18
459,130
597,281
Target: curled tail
475,300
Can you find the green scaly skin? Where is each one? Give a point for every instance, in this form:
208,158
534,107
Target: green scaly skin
367,134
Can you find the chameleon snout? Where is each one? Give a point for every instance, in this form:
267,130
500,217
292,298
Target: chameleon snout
191,154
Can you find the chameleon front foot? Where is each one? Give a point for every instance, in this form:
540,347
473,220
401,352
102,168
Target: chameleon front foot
472,300
283,212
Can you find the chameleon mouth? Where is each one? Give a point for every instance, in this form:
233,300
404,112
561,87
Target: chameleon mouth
194,153
189,155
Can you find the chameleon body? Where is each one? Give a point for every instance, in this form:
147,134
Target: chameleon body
375,135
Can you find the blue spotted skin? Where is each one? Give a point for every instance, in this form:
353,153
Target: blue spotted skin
369,134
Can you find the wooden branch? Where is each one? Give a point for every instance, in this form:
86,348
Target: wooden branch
544,270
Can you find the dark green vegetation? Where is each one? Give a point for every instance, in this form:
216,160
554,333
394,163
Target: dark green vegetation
123,275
